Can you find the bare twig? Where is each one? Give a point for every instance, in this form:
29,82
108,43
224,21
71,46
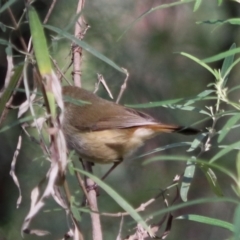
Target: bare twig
12,172
59,72
124,86
24,45
77,65
92,196
102,80
49,11
76,50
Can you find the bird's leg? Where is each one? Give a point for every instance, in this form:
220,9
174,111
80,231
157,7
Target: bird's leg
111,169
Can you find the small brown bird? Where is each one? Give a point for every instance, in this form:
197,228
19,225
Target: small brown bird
105,132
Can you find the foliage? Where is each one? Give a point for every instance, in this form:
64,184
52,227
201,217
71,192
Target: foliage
210,152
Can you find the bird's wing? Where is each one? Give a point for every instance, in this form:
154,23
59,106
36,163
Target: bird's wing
128,118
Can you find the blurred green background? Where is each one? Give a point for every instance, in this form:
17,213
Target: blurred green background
149,51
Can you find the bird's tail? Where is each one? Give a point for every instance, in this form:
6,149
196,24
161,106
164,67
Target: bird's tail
173,128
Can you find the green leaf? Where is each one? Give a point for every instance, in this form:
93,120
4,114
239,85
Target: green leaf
85,46
170,102
230,68
225,151
233,21
207,220
197,5
187,108
226,64
227,127
15,123
222,55
200,96
162,6
51,102
238,167
212,180
39,43
200,62
74,209
236,223
168,146
187,179
195,202
118,199
11,86
6,5
197,142
185,159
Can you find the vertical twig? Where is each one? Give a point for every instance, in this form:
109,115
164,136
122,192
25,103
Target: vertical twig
124,86
80,31
76,50
92,198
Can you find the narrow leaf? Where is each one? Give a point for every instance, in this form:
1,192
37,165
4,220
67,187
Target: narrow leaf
195,202
187,179
207,220
227,127
85,46
186,159
225,151
162,6
8,91
197,5
226,64
118,199
197,142
39,43
6,5
15,123
221,55
212,180
236,222
200,62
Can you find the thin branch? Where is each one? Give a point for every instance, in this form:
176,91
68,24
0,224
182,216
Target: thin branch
92,196
124,86
50,11
76,50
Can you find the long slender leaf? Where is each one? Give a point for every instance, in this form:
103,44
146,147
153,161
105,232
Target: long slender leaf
230,68
228,61
118,199
207,220
212,180
39,43
233,21
226,64
187,179
198,161
225,151
152,10
222,55
169,102
227,127
200,62
6,5
197,142
187,108
168,146
197,5
85,46
236,222
15,123
12,84
195,202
